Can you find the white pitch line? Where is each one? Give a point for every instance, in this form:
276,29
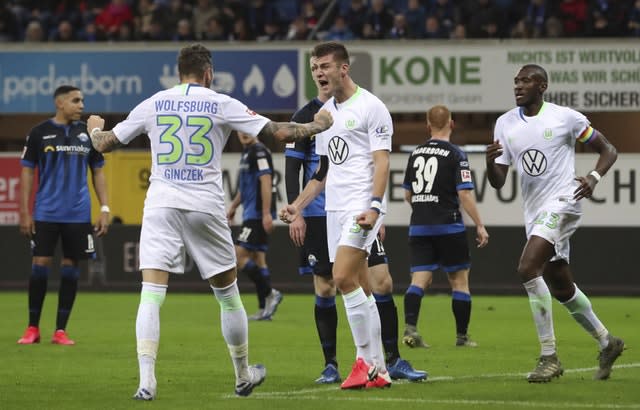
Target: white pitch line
313,394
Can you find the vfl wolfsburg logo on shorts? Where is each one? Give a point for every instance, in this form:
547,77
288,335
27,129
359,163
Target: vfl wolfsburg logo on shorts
534,162
338,150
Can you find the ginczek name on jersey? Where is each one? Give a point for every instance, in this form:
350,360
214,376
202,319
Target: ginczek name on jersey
183,174
186,106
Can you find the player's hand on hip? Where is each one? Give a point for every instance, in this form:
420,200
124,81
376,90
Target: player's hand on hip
288,214
367,219
586,187
324,119
482,236
494,150
95,121
297,231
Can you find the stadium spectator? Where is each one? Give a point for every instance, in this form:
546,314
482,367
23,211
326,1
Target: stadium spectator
634,20
399,30
483,19
256,195
170,15
34,33
415,15
380,17
606,18
59,148
298,30
437,181
433,30
116,13
214,30
183,31
573,14
64,32
553,28
459,32
272,32
9,27
356,16
241,31
260,14
446,12
339,31
537,15
189,215
355,200
203,11
543,154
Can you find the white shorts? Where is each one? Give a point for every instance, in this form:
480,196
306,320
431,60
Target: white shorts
557,229
167,233
342,230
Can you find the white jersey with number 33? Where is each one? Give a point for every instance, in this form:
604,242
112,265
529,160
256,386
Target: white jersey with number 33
542,149
188,126
361,125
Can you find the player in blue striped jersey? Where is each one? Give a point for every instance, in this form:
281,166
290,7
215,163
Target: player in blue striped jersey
437,181
256,194
60,149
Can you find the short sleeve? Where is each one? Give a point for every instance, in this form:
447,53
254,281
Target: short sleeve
30,152
380,127
498,135
134,124
241,118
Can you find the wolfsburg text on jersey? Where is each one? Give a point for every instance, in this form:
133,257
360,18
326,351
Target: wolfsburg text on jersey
186,106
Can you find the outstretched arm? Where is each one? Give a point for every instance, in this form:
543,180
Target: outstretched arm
102,141
291,131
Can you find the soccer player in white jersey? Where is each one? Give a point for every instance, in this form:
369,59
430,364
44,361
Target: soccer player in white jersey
538,138
188,127
357,147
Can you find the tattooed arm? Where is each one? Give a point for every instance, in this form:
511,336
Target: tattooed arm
102,141
291,131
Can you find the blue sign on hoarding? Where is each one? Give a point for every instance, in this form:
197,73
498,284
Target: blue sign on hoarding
115,81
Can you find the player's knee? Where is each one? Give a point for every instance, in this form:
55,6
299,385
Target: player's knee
69,272
39,271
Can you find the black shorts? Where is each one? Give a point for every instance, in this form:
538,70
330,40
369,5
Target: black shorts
314,254
252,236
77,240
377,256
449,252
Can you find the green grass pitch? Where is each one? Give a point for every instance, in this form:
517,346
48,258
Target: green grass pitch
194,370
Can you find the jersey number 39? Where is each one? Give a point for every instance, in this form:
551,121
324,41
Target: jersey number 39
426,171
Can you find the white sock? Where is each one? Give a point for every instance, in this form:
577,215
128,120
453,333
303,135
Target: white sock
580,308
358,315
235,330
377,350
148,332
540,302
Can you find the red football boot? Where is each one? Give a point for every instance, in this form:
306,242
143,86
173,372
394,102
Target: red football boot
382,380
30,336
358,377
60,338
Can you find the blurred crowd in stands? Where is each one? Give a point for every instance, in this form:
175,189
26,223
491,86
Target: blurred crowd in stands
291,20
